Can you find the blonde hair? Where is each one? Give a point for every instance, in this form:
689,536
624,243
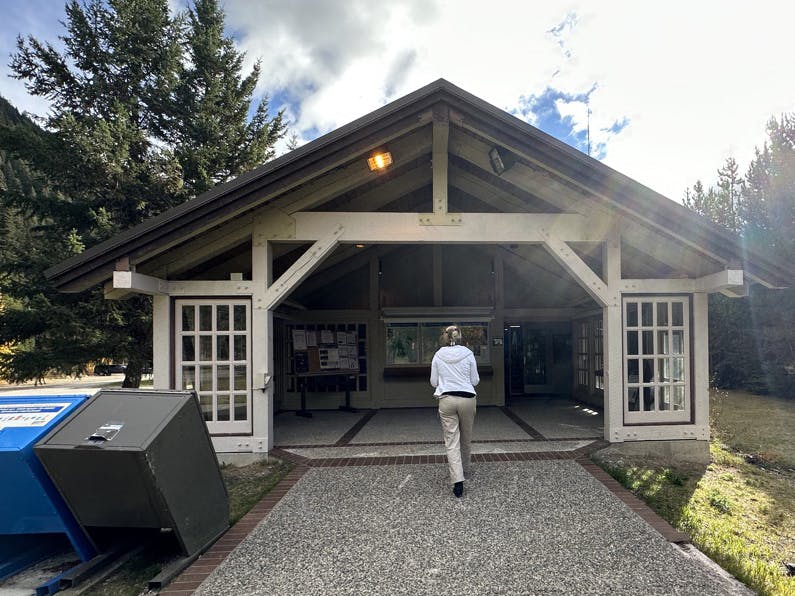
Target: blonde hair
451,336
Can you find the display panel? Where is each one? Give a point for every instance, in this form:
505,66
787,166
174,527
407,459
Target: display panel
415,343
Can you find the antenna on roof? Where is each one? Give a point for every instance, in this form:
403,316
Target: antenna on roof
588,133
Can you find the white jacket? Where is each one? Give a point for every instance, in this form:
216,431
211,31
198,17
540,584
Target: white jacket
454,369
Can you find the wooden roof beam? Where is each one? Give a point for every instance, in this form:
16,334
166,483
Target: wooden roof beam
597,190
126,283
280,289
198,249
464,228
441,133
570,261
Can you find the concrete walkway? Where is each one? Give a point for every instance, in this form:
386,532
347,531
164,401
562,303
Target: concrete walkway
523,527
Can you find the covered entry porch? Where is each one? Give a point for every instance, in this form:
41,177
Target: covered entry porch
540,425
362,329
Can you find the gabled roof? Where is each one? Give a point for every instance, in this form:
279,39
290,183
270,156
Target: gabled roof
579,175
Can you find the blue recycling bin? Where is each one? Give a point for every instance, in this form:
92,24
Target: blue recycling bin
33,516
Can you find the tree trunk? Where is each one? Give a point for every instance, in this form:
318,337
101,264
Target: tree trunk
132,375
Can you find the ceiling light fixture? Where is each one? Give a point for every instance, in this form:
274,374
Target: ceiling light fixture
380,161
496,161
501,159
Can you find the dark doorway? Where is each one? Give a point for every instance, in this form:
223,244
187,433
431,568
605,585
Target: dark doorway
538,358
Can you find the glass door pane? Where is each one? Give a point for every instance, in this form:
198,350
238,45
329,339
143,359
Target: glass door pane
535,358
213,355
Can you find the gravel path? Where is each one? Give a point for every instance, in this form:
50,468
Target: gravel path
521,528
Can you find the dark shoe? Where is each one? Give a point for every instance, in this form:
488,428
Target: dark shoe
458,489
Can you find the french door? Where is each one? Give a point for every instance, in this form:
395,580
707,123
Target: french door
213,358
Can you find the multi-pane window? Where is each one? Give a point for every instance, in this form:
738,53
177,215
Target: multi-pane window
598,354
656,359
583,356
213,356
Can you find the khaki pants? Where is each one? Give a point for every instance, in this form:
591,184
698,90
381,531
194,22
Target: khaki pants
457,415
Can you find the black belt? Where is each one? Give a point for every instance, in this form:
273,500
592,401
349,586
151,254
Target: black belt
459,393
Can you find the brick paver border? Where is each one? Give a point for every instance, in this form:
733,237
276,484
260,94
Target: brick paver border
626,496
189,580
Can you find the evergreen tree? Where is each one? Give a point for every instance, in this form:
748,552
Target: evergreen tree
119,146
752,340
293,142
108,91
722,204
769,198
769,212
214,140
729,193
29,246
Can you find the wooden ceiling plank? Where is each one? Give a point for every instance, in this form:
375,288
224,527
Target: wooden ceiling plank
353,174
529,258
377,198
690,261
198,249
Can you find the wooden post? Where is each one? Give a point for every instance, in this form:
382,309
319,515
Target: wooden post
700,358
162,328
261,333
613,353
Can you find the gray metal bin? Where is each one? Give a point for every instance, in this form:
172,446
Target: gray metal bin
140,459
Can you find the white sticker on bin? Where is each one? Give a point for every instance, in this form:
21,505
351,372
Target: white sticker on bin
29,415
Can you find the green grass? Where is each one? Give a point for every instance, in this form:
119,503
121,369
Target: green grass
761,425
246,485
738,513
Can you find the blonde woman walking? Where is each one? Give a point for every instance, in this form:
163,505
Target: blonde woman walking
454,374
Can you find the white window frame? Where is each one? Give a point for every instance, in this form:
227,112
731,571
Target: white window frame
215,426
583,354
660,358
598,354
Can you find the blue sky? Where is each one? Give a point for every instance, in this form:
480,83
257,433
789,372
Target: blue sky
663,93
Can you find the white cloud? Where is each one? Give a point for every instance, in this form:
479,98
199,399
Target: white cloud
696,80
345,62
